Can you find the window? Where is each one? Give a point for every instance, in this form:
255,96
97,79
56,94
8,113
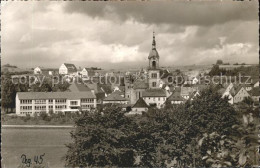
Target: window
40,107
73,102
87,100
40,101
154,75
50,101
50,107
61,107
26,101
154,84
159,98
26,107
60,101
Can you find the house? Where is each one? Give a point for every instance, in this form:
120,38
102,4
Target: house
115,98
87,73
140,106
239,94
186,91
176,98
66,69
194,80
37,70
193,95
154,97
30,103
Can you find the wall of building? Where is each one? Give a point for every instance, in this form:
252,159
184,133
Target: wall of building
159,101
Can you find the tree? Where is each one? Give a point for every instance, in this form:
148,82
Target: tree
102,139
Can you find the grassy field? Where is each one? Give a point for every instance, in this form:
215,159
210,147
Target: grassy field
34,142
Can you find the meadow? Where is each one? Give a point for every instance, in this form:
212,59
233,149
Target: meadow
33,143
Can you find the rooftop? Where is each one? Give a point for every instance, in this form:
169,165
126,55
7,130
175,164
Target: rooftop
114,97
154,93
55,95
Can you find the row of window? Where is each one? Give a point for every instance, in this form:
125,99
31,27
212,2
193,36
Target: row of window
154,98
87,100
26,101
87,106
57,101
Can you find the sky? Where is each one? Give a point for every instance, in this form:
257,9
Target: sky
119,34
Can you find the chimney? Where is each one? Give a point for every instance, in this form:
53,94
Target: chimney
93,91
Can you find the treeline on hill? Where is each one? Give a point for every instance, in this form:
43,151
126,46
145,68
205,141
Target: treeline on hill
207,132
10,88
252,71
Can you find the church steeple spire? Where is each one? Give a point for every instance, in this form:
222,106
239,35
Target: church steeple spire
154,42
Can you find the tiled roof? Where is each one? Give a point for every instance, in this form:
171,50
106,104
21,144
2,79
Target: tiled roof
154,93
91,72
140,85
76,87
55,95
71,67
176,96
106,88
186,90
255,91
140,103
114,97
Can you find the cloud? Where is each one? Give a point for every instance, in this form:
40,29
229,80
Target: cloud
170,12
119,35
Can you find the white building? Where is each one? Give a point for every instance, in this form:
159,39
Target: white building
115,98
36,102
66,69
37,70
154,97
87,73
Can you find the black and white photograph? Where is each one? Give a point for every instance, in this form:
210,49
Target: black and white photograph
138,83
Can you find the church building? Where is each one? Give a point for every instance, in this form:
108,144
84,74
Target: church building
148,89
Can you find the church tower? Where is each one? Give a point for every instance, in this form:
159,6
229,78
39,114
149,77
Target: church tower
153,69
153,56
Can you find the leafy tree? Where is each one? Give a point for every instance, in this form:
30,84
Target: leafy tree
102,139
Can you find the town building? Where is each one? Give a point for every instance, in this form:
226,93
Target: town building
37,70
176,98
87,73
66,69
139,107
31,103
115,98
154,97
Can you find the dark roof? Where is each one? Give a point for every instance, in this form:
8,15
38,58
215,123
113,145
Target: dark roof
176,96
140,85
119,92
114,97
255,91
154,93
153,53
71,67
140,103
106,87
91,72
76,87
55,95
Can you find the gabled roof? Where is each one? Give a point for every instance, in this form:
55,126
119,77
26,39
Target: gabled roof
154,93
91,72
71,67
55,95
176,96
114,97
140,103
107,88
